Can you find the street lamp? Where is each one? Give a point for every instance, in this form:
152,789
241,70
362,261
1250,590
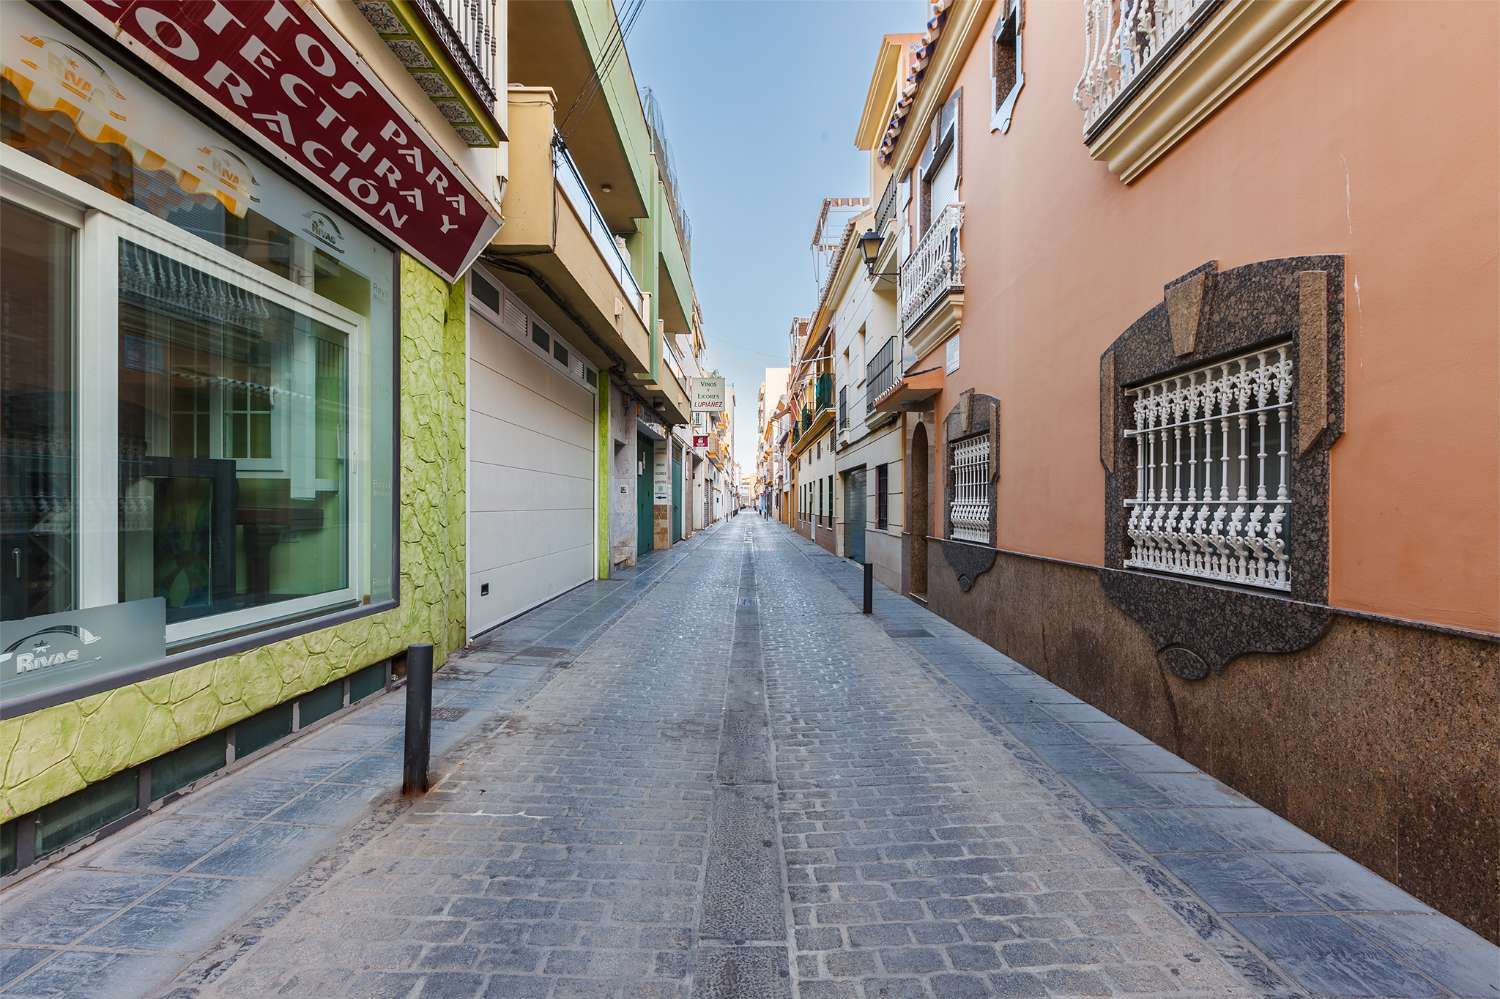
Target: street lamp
869,245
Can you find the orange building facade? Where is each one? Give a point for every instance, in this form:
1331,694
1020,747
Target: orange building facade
1202,418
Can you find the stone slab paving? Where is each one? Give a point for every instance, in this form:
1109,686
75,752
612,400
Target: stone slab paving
125,916
731,784
1229,868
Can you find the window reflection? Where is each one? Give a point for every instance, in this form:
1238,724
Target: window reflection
38,484
233,444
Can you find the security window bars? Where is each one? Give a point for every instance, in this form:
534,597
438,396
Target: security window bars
882,496
1212,494
880,374
844,408
969,512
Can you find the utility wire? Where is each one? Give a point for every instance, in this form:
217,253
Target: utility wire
614,46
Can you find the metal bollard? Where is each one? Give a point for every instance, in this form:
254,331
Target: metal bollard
418,719
869,586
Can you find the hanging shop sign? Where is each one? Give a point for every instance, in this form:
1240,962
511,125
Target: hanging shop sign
280,73
700,440
51,652
707,393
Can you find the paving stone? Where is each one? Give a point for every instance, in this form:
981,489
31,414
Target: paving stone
948,823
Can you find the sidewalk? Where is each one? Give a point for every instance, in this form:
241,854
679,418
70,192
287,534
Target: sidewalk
1230,868
123,917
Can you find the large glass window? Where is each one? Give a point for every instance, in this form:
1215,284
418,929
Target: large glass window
233,442
38,483
196,377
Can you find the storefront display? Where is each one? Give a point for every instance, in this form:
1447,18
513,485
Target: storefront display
197,378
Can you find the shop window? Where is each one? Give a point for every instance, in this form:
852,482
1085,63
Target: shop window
204,416
1005,65
38,400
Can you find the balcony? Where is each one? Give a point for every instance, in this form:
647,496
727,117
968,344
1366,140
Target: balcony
823,392
880,375
566,264
1154,69
930,299
448,47
577,193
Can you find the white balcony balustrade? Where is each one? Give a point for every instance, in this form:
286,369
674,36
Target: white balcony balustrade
934,268
1122,39
1212,496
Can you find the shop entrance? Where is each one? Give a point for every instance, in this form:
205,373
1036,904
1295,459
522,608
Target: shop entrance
644,493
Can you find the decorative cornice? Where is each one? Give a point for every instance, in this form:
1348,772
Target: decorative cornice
1213,62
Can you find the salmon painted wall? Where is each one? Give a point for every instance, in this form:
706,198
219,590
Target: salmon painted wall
1376,136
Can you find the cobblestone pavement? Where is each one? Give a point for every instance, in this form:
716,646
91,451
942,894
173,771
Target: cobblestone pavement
728,782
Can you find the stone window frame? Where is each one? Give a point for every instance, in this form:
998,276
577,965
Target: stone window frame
973,414
1200,625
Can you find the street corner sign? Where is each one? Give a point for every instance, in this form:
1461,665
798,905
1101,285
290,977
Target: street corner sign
284,76
707,394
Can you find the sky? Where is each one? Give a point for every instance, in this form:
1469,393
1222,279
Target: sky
761,99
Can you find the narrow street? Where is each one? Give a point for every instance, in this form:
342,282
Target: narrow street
782,798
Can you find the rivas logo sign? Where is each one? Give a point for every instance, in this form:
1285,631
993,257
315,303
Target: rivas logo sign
58,645
322,228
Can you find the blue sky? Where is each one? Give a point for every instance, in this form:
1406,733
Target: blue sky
761,99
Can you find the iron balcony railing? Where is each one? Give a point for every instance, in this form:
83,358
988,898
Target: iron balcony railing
577,193
887,209
1126,41
823,393
934,268
880,374
467,30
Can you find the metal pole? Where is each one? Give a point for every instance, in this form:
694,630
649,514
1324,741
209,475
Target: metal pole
418,719
869,586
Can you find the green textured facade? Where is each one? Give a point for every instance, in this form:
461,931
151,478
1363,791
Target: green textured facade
56,751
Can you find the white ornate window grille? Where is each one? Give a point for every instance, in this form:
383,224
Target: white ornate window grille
1212,496
969,512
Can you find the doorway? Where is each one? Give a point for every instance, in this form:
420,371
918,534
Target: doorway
676,493
920,519
854,515
645,495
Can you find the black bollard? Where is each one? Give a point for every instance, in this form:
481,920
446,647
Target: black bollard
418,719
869,586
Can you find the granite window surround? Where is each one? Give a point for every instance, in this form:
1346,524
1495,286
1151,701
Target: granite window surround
974,413
1199,626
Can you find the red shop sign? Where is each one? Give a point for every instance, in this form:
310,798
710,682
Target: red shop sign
284,76
700,440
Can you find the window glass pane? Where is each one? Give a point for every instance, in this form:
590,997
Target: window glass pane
38,487
259,512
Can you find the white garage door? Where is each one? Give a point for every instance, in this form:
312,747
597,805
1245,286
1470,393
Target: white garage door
531,472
